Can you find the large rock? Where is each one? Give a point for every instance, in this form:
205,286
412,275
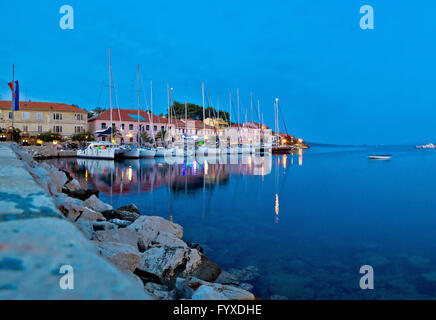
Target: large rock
58,178
82,194
32,252
125,235
168,239
124,256
88,214
120,223
168,263
70,208
160,291
96,204
122,215
149,227
206,270
72,185
196,289
130,208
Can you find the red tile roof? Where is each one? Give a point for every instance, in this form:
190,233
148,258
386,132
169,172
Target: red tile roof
126,115
131,115
43,106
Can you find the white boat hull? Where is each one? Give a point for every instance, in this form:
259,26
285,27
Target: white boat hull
132,154
147,153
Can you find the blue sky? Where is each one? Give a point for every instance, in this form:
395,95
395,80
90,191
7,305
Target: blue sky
336,82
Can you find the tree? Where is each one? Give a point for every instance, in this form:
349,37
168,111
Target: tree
195,111
49,136
162,135
116,133
83,136
145,137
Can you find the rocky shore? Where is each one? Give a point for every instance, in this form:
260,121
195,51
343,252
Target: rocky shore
148,250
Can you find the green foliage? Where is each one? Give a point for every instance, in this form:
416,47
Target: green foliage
83,136
145,137
115,132
195,111
162,135
49,136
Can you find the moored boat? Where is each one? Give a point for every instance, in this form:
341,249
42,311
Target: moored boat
100,150
380,157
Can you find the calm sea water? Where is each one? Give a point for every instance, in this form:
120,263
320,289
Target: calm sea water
307,222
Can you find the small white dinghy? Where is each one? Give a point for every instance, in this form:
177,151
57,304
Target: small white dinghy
380,157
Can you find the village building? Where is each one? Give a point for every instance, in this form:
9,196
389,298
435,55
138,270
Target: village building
129,122
34,118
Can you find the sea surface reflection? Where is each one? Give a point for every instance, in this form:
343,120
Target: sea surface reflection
307,226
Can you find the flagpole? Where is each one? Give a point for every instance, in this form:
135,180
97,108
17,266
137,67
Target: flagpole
12,104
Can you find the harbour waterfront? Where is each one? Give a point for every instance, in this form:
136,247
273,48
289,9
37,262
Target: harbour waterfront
299,226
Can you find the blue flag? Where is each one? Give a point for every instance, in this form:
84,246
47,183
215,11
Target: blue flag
16,97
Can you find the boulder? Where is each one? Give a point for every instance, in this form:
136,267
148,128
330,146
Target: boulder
58,178
168,263
72,185
124,235
32,252
207,270
122,215
130,208
196,289
127,215
149,227
71,208
96,204
103,225
88,214
86,227
82,194
124,256
168,239
159,291
121,223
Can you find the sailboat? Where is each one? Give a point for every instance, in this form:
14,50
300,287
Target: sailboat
103,149
143,152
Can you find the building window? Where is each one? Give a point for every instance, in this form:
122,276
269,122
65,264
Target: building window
147,127
103,125
155,128
39,116
25,128
57,129
25,115
122,126
130,126
57,116
78,117
10,116
161,128
39,129
78,129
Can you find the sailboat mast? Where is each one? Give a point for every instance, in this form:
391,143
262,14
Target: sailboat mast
230,115
251,103
139,128
186,117
12,104
110,94
237,97
204,124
